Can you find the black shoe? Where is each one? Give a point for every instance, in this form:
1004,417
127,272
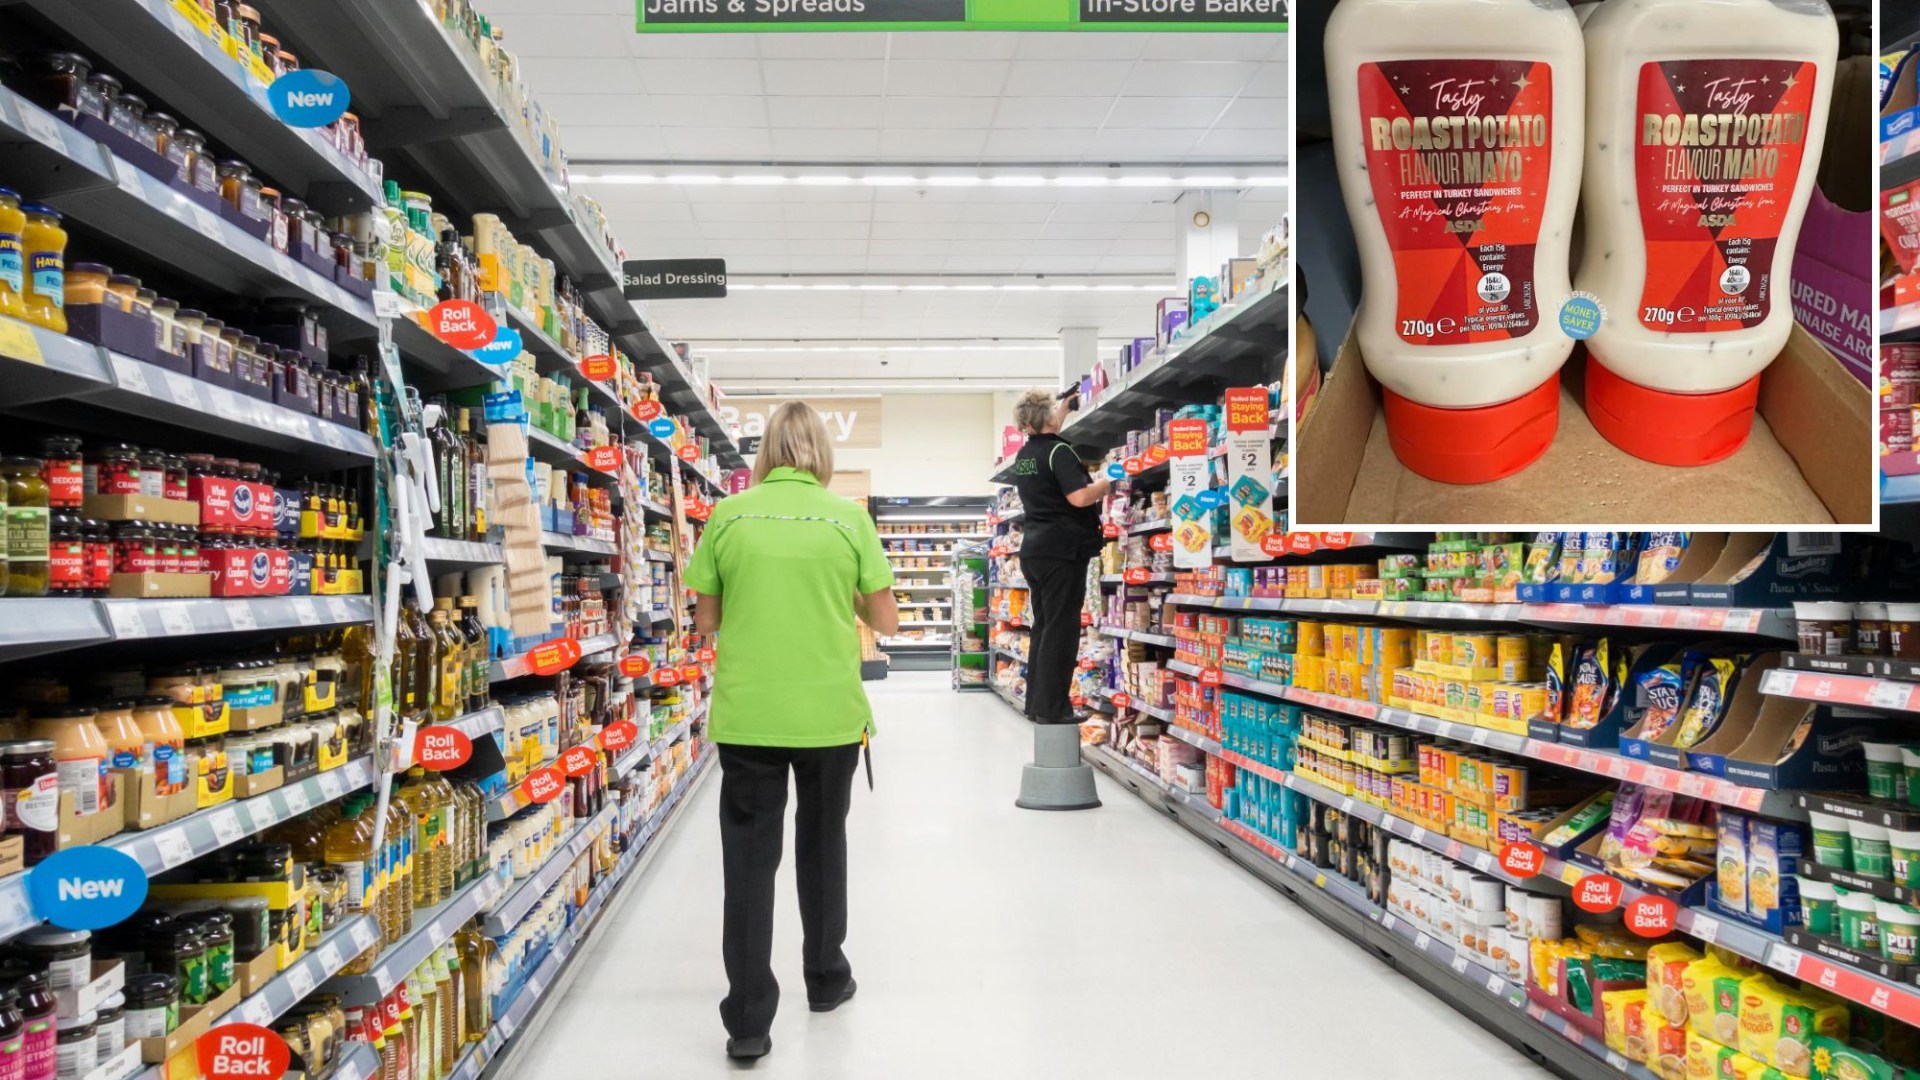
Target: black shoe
845,996
750,1049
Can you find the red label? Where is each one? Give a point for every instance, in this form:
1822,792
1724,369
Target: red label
619,735
1721,145
1274,544
1336,541
543,785
1900,224
646,410
1161,541
1078,701
1156,454
1086,618
598,368
441,748
604,458
1121,700
1136,575
462,324
242,1052
1086,663
578,760
1134,466
667,676
1459,152
1109,530
1302,543
1210,676
635,666
1247,408
1522,860
699,511
553,657
1650,916
1597,893
1187,438
689,452
706,655
691,673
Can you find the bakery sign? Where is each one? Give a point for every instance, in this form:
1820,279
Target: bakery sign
853,423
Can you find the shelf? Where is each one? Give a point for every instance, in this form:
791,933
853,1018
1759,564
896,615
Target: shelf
1605,763
1899,490
1138,635
1759,622
515,667
33,627
1155,711
1144,527
1009,518
1194,739
1851,691
480,1055
462,552
520,896
658,511
647,751
205,831
1121,579
577,545
157,48
887,538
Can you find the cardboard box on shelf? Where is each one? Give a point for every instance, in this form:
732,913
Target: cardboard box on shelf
144,807
1809,460
77,829
142,508
159,586
195,1020
259,783
253,974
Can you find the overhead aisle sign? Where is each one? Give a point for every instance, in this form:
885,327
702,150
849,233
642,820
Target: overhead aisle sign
761,16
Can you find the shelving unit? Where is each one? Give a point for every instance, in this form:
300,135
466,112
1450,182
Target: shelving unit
950,522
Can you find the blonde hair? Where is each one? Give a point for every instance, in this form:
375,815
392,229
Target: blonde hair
1032,412
795,439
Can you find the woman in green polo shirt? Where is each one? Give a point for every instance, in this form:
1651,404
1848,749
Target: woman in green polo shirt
782,571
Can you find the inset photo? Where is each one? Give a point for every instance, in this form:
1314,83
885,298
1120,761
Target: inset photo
1585,263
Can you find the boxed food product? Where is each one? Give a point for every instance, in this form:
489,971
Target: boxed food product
1626,1017
1666,965
1712,989
1777,1024
1710,1060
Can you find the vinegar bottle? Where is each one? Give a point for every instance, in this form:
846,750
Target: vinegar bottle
1705,122
1457,129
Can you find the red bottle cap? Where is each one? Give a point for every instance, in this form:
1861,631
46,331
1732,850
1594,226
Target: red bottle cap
1473,446
1668,428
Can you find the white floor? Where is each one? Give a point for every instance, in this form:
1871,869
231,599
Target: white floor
991,941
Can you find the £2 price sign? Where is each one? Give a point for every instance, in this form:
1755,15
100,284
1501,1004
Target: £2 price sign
1597,893
440,748
543,785
462,324
553,657
1522,860
242,1052
1650,916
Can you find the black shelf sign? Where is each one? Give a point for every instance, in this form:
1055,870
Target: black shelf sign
777,14
675,279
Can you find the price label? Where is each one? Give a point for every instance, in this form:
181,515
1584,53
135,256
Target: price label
255,1011
240,616
210,226
44,128
176,620
129,178
1459,964
1495,984
338,610
437,933
305,612
298,800
300,980
1890,695
388,305
1482,860
185,390
331,785
330,960
1418,835
1480,736
1704,928
1421,941
126,619
364,936
173,846
226,825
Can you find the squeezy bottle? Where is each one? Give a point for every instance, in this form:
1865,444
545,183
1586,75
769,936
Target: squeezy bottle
1704,127
1457,132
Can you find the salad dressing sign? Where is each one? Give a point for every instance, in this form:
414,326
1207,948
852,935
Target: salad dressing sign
1249,473
1192,522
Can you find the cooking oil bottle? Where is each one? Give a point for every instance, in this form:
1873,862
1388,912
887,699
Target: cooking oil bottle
432,810
405,856
348,844
479,686
446,966
476,952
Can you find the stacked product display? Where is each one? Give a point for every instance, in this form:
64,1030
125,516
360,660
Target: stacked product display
1899,271
923,537
969,596
364,651
1007,627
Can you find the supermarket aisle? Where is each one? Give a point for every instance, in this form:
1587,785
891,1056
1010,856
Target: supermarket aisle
1044,945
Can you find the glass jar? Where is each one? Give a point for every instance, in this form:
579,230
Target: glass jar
128,116
112,1026
112,470
66,557
216,356
238,187
143,301
78,1046
80,755
160,729
13,265
98,96
64,469
269,53
44,249
350,140
86,284
57,82
181,951
176,486
197,167
216,929
188,324
166,544
153,474
275,217
246,27
99,549
165,128
251,933
295,211
153,1005
65,955
30,784
135,549
124,289
28,522
286,61
166,336
191,561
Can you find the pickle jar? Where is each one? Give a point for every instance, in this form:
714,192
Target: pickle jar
28,520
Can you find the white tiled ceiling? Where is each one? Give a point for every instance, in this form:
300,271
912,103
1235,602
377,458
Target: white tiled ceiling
975,102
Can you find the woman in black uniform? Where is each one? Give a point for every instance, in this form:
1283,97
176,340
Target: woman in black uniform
1062,532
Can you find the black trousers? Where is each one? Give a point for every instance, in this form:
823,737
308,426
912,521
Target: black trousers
1056,591
753,810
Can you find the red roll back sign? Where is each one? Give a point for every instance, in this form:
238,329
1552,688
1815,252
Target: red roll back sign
646,410
635,666
1650,916
578,760
543,785
439,749
1522,860
462,324
689,452
619,735
553,657
604,458
1597,893
242,1052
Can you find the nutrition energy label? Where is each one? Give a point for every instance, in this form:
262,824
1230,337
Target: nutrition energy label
1458,154
1721,143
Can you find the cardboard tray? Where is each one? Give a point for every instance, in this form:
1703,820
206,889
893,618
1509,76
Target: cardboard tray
1809,461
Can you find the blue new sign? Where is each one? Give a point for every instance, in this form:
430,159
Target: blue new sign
662,428
1116,471
505,346
309,99
87,888
1209,498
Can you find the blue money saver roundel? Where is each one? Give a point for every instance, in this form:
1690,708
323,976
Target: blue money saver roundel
306,98
505,346
662,428
87,888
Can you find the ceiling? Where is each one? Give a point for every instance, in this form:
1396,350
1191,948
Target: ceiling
695,143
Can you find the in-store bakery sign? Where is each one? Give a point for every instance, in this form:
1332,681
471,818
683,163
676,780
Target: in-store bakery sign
707,16
854,422
676,279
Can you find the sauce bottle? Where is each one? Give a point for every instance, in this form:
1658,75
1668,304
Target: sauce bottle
1457,132
1705,122
13,261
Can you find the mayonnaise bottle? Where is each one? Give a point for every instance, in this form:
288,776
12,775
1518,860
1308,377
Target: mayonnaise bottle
1457,132
1705,120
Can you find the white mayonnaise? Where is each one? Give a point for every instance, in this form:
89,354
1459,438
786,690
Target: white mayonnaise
1705,120
1457,131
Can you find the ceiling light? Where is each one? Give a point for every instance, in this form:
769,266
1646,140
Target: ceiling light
761,180
697,180
819,180
1017,181
955,181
